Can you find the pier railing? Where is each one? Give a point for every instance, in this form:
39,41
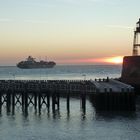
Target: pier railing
73,86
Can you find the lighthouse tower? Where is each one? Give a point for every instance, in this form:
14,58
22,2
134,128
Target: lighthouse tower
136,43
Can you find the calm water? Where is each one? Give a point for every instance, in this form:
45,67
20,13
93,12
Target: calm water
61,72
62,126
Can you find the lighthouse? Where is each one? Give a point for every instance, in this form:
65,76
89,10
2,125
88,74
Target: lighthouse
131,64
136,43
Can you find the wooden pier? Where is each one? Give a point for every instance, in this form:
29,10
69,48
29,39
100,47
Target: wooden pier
107,94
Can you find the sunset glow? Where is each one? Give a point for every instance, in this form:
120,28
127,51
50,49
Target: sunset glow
94,61
65,33
114,60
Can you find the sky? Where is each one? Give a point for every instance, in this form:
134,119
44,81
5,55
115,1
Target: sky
66,31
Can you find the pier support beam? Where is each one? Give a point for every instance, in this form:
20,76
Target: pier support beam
48,100
23,100
68,101
39,101
0,101
13,101
35,101
53,101
8,103
83,102
58,100
26,102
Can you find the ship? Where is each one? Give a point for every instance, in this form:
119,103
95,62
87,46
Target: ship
31,63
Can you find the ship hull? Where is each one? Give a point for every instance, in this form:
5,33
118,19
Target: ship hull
35,67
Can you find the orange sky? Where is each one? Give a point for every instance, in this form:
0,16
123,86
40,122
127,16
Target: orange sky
63,47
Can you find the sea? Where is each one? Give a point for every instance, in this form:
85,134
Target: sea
61,125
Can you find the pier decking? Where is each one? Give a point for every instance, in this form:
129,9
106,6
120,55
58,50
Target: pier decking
108,94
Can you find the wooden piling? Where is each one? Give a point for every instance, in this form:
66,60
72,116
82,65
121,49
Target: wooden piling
39,101
133,101
68,101
35,100
83,102
13,101
8,103
0,101
23,100
48,100
58,100
53,101
26,102
106,101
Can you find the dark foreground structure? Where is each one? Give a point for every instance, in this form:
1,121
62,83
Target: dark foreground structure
106,94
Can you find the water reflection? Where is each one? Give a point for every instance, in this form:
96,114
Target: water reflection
60,124
110,115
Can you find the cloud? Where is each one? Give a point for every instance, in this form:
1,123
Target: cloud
23,20
35,21
78,2
94,0
119,26
42,5
5,19
55,3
